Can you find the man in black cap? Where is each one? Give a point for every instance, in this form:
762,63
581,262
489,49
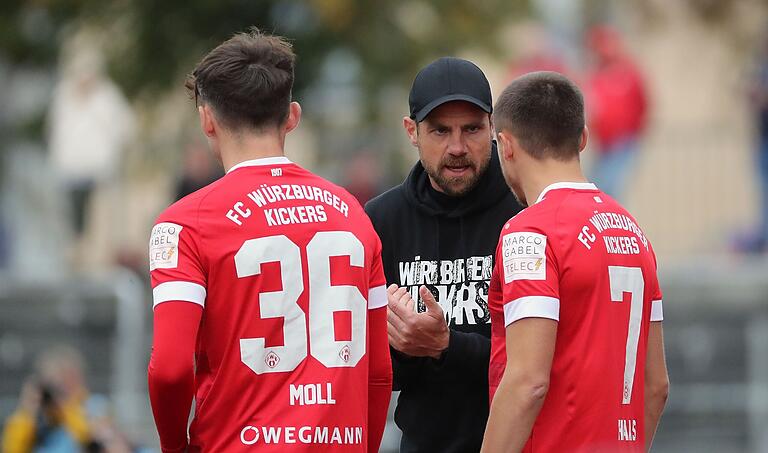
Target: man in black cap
439,231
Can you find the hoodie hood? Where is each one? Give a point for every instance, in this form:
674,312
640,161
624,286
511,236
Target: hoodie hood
490,190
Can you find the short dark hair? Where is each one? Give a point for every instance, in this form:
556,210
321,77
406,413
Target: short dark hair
247,80
545,113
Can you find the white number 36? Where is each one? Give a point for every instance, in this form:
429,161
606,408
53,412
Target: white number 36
324,300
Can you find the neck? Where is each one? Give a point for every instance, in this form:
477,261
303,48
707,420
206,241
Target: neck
548,172
236,148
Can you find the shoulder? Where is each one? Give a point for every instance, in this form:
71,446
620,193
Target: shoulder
534,226
538,217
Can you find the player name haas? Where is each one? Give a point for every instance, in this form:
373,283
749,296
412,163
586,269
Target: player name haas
311,394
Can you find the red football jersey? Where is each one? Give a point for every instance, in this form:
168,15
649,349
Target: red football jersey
286,266
578,257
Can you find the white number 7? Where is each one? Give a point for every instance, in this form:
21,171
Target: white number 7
629,280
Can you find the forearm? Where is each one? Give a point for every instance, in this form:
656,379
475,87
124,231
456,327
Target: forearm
379,394
530,346
656,382
379,379
171,400
513,412
171,371
654,406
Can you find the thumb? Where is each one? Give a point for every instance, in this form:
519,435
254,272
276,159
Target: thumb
429,300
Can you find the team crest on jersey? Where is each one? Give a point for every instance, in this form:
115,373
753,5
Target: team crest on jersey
271,359
524,256
164,246
345,353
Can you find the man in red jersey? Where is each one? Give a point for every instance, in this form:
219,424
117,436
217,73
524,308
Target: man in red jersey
269,298
577,356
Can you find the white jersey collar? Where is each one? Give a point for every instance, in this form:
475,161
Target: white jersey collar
566,185
261,162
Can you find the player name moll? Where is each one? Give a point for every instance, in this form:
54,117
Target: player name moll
311,394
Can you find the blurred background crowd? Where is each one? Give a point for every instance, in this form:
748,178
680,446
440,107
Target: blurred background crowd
97,136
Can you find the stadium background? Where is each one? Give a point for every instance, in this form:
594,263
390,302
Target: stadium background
92,98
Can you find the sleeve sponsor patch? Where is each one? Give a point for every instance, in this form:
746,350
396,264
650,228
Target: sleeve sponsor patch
164,246
524,256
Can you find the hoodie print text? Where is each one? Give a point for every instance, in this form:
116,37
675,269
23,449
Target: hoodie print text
460,286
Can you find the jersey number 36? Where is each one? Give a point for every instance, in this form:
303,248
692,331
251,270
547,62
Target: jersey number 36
324,300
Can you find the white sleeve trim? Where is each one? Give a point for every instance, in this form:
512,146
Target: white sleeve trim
377,297
657,312
184,291
531,307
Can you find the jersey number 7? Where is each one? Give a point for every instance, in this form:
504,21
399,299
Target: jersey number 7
629,280
324,300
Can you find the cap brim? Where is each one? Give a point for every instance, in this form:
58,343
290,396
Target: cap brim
421,114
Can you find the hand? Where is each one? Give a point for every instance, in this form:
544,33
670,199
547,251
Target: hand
416,334
31,398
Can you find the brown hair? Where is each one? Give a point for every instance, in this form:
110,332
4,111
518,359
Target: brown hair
247,80
545,113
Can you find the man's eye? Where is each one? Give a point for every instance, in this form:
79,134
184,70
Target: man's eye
441,131
472,129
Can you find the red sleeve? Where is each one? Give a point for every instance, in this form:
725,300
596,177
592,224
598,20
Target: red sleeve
171,371
379,378
175,261
179,293
380,366
528,274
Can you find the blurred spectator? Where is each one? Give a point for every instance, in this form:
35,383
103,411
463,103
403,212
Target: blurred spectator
362,176
616,105
57,414
90,126
199,170
51,416
757,241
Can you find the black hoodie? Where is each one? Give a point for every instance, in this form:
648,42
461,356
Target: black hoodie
447,243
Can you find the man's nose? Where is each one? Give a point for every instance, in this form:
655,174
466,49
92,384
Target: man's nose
457,145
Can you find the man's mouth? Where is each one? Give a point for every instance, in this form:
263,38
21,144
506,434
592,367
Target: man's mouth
457,170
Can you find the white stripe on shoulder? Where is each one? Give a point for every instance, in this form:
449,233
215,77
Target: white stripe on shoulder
531,307
183,291
657,311
377,297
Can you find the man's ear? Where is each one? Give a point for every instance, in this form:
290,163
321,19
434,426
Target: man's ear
584,139
208,123
294,117
506,144
411,128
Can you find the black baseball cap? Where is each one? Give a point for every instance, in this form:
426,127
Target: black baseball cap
448,79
